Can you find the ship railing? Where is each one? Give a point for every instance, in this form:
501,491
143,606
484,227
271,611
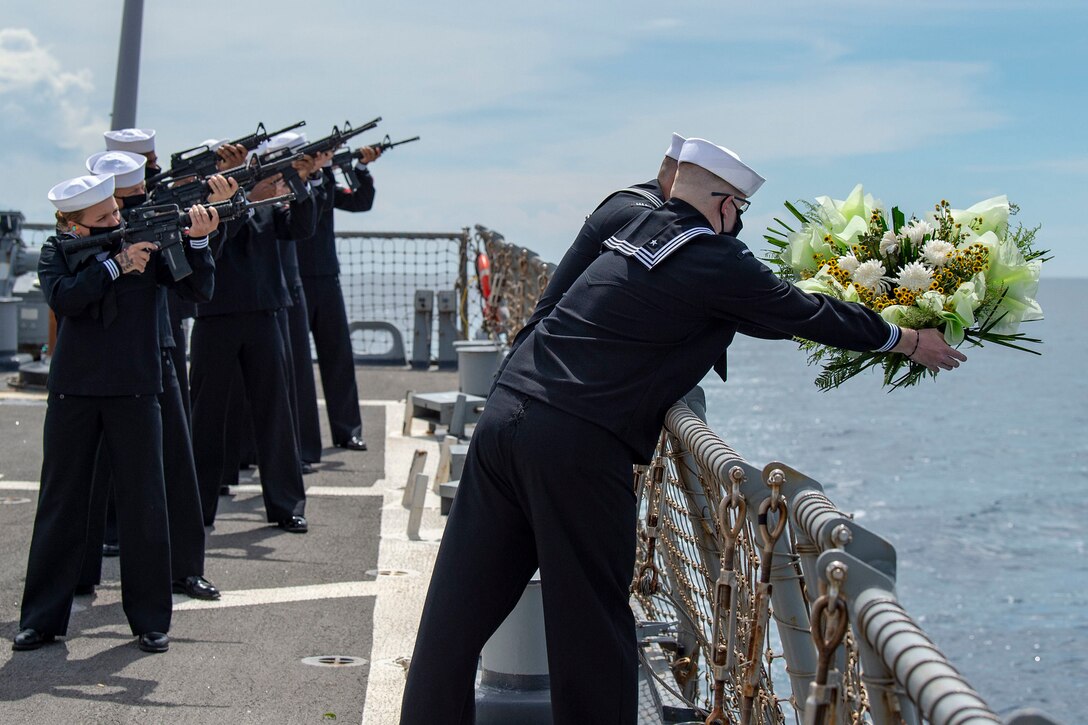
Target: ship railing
725,548
518,276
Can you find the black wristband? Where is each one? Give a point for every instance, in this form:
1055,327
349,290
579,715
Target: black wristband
917,337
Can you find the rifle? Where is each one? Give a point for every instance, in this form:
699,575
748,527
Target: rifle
160,224
333,141
344,159
386,144
201,161
194,192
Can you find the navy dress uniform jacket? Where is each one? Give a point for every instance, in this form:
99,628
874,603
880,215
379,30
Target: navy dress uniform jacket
100,320
627,340
615,212
317,258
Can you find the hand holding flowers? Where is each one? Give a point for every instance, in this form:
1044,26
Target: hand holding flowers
962,272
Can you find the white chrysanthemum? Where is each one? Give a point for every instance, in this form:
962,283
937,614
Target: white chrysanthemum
917,230
915,277
870,274
937,252
848,263
889,243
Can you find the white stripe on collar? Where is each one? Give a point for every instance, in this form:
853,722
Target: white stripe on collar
649,196
652,254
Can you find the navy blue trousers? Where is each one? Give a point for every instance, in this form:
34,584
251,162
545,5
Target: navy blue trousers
329,326
182,492
309,424
252,342
130,429
540,489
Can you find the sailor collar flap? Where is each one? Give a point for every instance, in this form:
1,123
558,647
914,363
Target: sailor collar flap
653,236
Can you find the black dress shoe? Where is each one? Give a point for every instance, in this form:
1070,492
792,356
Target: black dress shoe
307,469
111,550
196,587
83,590
295,525
224,490
153,642
355,443
30,639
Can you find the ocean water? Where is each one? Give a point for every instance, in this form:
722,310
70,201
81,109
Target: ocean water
978,478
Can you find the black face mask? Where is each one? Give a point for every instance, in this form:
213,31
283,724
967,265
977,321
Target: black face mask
127,202
150,171
735,231
104,230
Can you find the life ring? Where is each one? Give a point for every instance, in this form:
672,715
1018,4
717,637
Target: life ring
483,276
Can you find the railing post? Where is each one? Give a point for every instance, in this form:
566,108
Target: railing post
904,652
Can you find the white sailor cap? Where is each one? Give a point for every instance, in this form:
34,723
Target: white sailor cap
81,192
126,167
137,140
285,140
723,163
213,143
673,152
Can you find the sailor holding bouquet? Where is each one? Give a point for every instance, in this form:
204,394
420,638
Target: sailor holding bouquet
547,482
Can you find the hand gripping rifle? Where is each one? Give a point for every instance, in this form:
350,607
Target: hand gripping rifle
195,192
202,161
162,225
333,141
345,159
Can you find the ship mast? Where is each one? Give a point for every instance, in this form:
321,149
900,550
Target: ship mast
128,66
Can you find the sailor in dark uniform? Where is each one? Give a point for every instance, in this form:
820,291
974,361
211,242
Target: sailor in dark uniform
239,328
547,482
320,271
230,156
187,540
611,215
296,326
104,380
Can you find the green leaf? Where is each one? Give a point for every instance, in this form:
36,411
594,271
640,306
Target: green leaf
898,219
793,210
787,226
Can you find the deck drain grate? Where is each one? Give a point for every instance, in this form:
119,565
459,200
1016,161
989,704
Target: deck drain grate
391,572
334,661
12,500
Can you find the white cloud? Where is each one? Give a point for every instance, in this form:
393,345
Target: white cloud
42,102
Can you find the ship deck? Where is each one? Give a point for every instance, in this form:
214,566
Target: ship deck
352,587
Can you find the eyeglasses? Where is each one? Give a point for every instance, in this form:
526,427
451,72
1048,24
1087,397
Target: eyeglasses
741,204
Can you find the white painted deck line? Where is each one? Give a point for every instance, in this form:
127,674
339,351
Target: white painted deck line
400,602
281,595
18,485
318,490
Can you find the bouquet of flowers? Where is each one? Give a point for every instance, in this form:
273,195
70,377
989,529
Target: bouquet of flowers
965,272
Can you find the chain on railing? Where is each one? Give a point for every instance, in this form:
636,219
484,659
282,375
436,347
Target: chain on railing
724,547
683,517
518,277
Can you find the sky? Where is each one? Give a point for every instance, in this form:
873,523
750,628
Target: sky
531,113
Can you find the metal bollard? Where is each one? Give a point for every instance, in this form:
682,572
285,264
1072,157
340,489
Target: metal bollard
447,329
514,683
421,338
